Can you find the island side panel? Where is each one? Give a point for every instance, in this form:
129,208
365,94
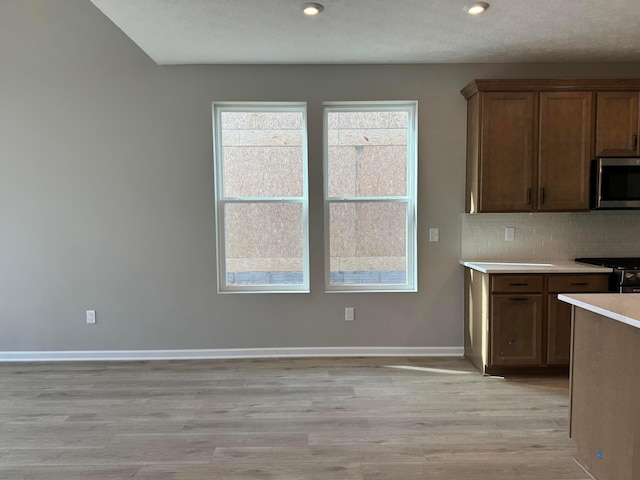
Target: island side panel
604,395
636,447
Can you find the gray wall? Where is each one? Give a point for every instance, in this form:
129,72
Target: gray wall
106,193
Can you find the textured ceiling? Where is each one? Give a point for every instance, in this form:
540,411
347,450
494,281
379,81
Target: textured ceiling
379,31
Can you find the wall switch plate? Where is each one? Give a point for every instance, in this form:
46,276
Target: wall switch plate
91,317
349,314
434,234
509,234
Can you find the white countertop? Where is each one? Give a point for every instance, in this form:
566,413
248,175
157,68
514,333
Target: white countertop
533,267
624,307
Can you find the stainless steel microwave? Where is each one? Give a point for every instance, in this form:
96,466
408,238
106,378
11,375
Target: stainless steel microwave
615,183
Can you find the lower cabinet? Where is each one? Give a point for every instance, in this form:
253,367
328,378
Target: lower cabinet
559,313
516,323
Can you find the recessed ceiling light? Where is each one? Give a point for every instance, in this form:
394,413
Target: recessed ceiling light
476,8
312,8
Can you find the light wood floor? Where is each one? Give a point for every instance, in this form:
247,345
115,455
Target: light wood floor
311,419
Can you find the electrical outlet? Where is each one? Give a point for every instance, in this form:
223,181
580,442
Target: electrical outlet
349,314
434,234
509,234
91,317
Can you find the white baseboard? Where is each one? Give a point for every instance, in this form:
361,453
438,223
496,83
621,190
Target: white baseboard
95,355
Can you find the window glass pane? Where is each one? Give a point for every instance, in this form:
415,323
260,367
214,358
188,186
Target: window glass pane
367,153
262,154
368,243
264,243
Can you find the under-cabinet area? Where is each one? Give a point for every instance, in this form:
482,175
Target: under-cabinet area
515,323
530,143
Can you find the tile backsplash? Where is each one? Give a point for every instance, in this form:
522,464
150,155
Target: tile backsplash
550,236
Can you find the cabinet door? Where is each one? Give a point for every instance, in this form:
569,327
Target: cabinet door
564,152
516,329
617,124
506,159
558,332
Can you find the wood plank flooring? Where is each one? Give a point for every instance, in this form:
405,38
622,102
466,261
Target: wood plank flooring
284,419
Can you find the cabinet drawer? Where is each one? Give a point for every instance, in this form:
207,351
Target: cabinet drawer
516,283
578,283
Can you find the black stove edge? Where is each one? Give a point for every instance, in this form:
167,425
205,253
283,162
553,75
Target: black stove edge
612,262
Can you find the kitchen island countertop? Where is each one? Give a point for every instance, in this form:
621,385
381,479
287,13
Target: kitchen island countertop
534,267
623,307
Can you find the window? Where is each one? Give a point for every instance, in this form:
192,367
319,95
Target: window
260,153
370,196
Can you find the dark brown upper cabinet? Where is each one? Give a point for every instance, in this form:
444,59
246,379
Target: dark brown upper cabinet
507,149
530,142
617,124
564,151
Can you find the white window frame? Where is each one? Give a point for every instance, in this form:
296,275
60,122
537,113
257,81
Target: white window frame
221,200
410,199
